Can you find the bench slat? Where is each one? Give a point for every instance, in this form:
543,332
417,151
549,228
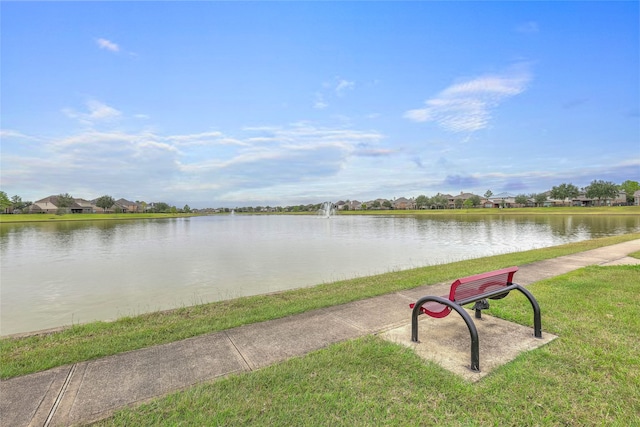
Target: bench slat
433,308
472,286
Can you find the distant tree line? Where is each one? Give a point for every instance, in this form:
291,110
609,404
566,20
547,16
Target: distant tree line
598,190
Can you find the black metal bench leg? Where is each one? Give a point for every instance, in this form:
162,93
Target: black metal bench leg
475,342
480,305
537,323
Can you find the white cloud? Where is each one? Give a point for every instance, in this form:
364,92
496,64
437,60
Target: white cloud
343,85
208,165
202,138
107,45
96,112
320,103
10,133
332,90
467,106
100,111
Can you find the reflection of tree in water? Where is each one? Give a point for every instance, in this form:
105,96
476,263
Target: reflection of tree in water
63,235
566,226
593,226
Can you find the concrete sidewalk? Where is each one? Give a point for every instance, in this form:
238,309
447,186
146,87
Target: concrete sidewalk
89,391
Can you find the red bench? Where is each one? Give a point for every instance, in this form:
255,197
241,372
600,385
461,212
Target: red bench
492,285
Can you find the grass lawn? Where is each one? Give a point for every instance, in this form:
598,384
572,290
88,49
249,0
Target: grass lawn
5,219
567,210
589,376
20,356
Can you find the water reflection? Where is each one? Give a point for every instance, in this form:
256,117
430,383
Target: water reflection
62,272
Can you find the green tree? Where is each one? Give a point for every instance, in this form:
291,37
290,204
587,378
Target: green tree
105,202
17,204
4,201
521,199
162,207
564,191
64,202
599,189
458,203
439,201
539,198
488,194
386,204
475,200
630,187
422,201
186,209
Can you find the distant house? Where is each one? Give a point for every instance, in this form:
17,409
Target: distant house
355,205
583,200
44,207
128,206
458,201
349,205
636,198
82,206
403,203
502,200
378,204
51,204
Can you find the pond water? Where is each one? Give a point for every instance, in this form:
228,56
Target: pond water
56,274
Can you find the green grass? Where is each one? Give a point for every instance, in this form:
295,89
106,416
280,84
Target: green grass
566,210
6,219
20,356
589,376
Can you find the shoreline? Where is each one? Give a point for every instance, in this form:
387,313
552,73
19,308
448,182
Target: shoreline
83,342
278,294
569,210
40,218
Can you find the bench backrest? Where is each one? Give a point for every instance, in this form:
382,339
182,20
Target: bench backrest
469,287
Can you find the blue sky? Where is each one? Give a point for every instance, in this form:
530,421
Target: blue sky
281,103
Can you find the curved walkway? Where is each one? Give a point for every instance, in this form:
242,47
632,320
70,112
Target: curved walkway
88,391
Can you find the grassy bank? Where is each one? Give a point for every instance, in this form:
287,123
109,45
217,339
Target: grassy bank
568,210
603,210
19,356
589,376
5,219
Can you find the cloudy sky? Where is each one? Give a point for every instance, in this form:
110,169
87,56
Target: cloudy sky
281,103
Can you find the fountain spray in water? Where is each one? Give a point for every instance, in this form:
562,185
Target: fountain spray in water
327,210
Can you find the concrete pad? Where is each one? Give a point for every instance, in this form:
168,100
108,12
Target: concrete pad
99,387
623,261
30,399
375,314
265,343
447,342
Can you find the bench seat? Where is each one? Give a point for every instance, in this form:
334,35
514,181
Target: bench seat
477,288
